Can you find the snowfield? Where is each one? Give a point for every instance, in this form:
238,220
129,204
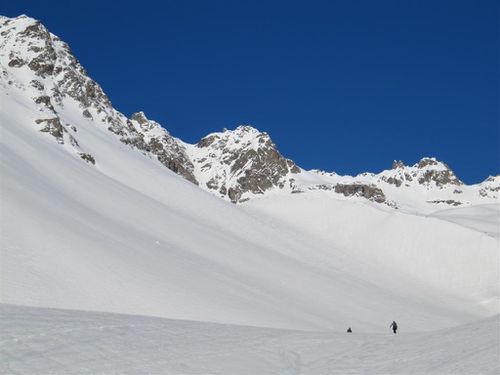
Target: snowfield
91,226
36,340
434,249
129,236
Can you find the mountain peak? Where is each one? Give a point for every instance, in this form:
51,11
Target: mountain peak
424,163
139,117
244,136
398,164
428,171
247,129
241,162
430,163
20,20
243,132
22,17
144,122
490,188
24,26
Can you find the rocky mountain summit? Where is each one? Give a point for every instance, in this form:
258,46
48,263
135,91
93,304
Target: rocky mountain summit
235,165
428,172
428,184
36,61
244,160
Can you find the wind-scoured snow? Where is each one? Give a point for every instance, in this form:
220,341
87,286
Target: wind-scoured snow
38,340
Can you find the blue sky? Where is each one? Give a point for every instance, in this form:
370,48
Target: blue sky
343,86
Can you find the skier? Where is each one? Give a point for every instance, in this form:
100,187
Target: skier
394,326
349,330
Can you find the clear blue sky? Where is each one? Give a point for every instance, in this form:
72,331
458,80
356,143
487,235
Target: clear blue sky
343,86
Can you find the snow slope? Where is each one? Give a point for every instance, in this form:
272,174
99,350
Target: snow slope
120,232
98,213
36,340
450,257
484,218
129,236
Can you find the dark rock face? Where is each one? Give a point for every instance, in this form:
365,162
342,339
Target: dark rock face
490,188
427,161
207,141
156,140
450,202
37,85
52,126
88,158
267,167
171,155
86,113
141,118
43,63
426,172
16,62
441,178
370,192
392,180
45,99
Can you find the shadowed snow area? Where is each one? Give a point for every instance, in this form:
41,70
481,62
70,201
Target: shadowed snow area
37,340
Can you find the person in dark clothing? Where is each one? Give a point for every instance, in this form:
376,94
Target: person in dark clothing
349,330
394,326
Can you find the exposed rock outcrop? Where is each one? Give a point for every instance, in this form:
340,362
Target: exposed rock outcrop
88,158
427,172
52,126
370,192
449,202
169,151
490,188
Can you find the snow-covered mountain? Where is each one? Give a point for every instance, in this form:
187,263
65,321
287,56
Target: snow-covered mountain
427,186
236,165
40,64
108,213
104,212
241,163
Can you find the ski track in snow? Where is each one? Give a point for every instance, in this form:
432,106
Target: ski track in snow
42,341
